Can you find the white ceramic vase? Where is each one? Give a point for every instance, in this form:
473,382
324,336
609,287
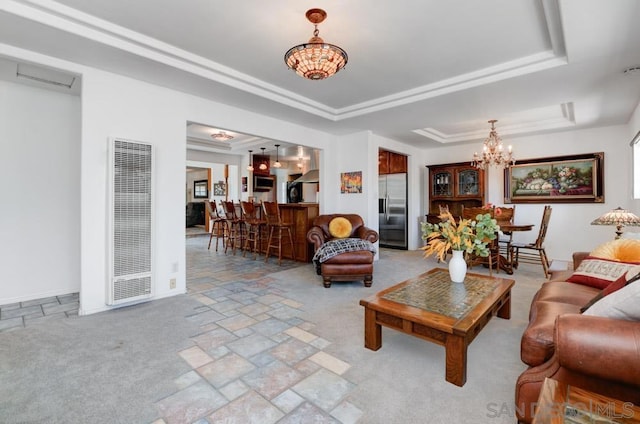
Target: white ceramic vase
457,267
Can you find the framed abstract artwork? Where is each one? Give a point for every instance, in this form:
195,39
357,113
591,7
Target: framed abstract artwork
351,182
219,188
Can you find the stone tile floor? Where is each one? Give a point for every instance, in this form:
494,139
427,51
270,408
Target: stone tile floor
254,360
18,315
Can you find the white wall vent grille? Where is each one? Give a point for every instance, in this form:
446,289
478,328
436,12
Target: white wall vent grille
131,221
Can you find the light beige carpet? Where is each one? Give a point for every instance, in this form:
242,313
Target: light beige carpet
404,381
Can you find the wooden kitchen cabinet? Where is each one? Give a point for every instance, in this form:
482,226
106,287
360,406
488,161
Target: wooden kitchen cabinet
391,163
383,162
259,160
455,185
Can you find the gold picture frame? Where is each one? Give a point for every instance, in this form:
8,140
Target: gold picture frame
559,179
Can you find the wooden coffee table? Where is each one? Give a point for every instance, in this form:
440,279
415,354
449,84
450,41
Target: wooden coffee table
433,308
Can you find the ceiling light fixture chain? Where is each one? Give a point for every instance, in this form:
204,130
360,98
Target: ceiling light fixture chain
316,60
250,166
277,163
263,165
492,151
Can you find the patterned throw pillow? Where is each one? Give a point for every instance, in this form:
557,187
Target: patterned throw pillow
599,272
340,227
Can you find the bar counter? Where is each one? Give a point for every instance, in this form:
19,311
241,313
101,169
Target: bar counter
301,215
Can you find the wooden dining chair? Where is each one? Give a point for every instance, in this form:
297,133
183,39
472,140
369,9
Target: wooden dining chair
534,252
473,212
492,260
504,214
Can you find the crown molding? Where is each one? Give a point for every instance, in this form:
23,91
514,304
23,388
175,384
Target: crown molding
63,18
519,126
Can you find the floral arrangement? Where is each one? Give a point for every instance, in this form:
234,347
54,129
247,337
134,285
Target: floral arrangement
472,236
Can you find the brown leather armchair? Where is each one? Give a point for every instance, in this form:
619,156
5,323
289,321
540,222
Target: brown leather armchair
349,265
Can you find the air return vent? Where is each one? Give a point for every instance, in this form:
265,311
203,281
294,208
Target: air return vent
130,221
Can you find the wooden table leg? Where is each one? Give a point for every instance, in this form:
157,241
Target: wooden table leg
505,310
372,330
456,360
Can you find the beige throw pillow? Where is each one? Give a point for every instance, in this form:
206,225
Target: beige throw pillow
621,304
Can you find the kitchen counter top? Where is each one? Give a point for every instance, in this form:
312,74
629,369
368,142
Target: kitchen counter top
298,205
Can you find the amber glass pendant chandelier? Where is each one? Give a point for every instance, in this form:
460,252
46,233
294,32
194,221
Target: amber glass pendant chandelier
316,59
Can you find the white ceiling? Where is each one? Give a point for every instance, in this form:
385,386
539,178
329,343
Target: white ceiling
424,72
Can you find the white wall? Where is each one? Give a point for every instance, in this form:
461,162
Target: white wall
112,106
40,192
115,106
634,128
359,152
569,228
156,115
352,156
216,162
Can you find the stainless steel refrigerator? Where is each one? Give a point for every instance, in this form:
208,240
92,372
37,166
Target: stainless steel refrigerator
392,210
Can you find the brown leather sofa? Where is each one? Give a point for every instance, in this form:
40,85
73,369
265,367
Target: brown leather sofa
347,266
598,354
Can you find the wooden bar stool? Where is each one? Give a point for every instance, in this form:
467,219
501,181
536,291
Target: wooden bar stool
234,226
219,227
254,226
276,226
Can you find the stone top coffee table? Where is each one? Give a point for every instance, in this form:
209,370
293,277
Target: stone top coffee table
433,308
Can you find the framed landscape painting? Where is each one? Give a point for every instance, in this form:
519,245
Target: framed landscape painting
558,179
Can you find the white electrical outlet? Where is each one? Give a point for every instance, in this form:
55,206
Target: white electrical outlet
172,283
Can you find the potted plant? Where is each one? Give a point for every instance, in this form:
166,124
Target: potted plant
464,236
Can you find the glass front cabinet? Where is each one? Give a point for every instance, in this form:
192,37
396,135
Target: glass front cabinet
467,182
442,184
454,186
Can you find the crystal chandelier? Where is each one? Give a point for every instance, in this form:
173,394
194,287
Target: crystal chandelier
492,151
221,135
316,59
277,163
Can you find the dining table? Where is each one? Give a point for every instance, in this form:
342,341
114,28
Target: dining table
505,262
